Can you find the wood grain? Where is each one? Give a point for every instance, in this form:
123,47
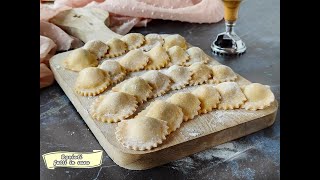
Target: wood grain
196,135
85,23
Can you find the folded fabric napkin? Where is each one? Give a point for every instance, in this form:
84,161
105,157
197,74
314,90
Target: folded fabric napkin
194,11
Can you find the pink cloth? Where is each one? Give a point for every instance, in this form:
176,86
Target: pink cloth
194,11
123,24
171,3
47,49
136,13
46,13
46,76
73,3
61,38
52,39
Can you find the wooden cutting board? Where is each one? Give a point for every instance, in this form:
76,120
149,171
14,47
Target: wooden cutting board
198,134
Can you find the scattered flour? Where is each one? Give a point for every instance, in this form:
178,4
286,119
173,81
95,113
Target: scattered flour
190,133
215,153
86,111
58,67
223,151
184,165
194,134
225,145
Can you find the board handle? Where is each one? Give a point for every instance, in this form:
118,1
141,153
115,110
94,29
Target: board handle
85,23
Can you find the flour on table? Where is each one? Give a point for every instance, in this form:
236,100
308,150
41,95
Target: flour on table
225,145
184,165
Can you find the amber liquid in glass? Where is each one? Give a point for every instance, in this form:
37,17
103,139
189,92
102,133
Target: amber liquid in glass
231,9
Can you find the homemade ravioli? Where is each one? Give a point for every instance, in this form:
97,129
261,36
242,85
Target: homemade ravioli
133,40
97,48
196,55
222,73
158,58
175,40
259,96
79,59
188,102
113,107
159,82
135,86
152,40
134,60
114,69
141,133
92,81
231,95
179,75
165,111
201,73
178,56
209,97
116,48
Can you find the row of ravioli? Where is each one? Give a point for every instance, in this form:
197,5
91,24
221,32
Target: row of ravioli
143,52
152,125
124,98
113,71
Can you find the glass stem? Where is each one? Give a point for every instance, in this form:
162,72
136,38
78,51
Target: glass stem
230,27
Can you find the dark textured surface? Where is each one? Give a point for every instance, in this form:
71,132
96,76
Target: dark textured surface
256,156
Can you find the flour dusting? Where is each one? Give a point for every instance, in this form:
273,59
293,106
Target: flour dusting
190,133
194,134
223,151
184,165
211,157
215,153
225,145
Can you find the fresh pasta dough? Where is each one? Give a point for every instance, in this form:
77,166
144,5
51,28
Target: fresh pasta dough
159,82
135,86
152,40
92,81
201,73
259,96
116,48
141,133
222,73
158,58
175,40
133,40
113,107
231,95
114,69
134,60
209,97
188,102
79,59
179,75
165,111
177,55
97,48
196,55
